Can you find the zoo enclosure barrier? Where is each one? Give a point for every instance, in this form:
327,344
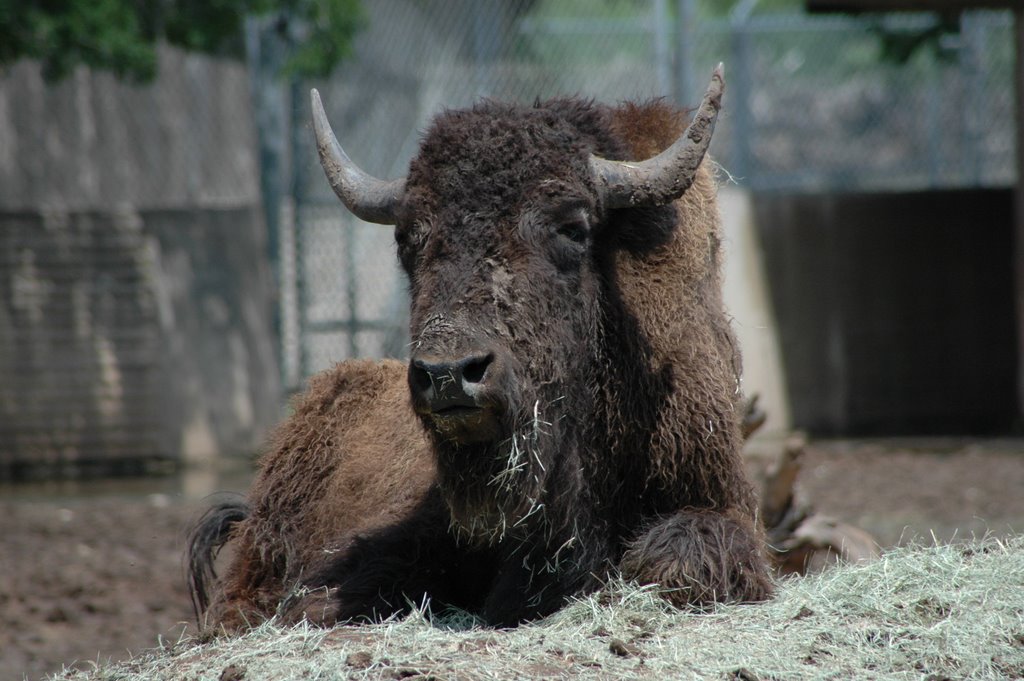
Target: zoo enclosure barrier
809,106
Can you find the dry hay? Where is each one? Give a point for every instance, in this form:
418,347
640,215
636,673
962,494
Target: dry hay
949,611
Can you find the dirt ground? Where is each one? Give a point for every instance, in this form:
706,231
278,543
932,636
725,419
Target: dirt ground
94,571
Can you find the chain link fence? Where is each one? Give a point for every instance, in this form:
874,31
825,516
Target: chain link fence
130,251
809,106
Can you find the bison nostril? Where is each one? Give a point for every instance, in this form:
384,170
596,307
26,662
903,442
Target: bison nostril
419,377
473,369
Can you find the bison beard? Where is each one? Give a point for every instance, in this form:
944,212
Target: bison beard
571,406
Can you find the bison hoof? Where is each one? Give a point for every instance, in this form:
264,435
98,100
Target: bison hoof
700,557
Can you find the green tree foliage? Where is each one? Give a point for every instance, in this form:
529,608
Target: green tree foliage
723,8
899,45
121,35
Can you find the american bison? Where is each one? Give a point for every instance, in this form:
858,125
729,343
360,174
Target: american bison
571,407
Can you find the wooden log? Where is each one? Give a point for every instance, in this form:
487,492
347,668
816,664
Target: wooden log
800,539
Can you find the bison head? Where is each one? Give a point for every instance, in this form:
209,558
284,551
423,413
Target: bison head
506,226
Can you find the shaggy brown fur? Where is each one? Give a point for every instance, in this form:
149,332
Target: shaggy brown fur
350,460
612,403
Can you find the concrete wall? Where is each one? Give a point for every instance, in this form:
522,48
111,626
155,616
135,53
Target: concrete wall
133,338
214,293
748,300
91,142
136,296
895,311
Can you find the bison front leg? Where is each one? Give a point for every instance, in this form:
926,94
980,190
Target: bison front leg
391,570
701,557
533,584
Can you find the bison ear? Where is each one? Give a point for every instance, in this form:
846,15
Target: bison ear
665,177
367,197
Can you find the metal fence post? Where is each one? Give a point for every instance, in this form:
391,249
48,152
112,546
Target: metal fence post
740,97
296,195
1018,230
973,92
686,24
486,41
661,26
266,52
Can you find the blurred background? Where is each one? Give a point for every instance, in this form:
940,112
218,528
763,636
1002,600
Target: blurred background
173,265
172,262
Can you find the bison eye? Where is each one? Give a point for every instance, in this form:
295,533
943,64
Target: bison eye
410,238
574,230
563,226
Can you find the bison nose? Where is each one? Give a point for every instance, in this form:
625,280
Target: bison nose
441,385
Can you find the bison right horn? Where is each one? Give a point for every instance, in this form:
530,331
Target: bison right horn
366,196
665,177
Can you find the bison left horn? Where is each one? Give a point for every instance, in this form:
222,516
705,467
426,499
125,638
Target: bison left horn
366,196
665,177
